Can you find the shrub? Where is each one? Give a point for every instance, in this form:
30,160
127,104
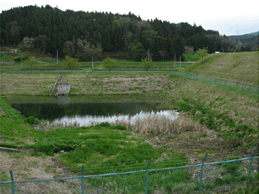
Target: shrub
32,120
119,127
31,63
70,63
104,124
147,64
110,63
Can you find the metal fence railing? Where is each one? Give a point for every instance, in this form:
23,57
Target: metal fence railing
241,87
205,177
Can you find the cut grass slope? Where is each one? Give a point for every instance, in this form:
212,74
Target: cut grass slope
240,67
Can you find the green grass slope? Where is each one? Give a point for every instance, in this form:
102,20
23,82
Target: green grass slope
233,114
15,132
240,67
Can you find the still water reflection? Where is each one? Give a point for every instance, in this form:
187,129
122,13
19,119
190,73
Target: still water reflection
86,112
89,120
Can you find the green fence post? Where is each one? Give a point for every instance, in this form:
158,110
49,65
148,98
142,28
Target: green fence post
147,177
251,166
82,179
11,174
202,171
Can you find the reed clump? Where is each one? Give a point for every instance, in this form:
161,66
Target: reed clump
162,125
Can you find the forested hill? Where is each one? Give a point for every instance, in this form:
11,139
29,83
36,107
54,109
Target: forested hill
85,34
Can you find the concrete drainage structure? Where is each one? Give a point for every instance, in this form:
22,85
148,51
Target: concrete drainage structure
63,88
60,88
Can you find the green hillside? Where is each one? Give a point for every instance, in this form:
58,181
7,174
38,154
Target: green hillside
243,36
247,40
240,67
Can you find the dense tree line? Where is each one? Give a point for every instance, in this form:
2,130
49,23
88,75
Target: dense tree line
86,34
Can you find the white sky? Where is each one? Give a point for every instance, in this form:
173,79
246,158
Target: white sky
229,17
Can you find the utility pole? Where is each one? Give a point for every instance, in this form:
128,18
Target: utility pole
92,62
180,63
57,56
174,58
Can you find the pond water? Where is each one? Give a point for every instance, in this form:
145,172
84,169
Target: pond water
89,110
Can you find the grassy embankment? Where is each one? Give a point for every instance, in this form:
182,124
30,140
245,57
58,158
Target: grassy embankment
239,67
233,114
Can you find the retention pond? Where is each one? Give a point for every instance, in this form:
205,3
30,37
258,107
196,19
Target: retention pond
89,110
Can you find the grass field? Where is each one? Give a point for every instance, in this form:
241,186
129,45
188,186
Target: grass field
115,83
34,84
240,67
82,84
126,65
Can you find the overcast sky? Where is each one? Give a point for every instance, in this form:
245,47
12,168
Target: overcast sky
229,17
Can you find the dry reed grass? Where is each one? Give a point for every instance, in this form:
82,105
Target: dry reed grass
162,125
47,126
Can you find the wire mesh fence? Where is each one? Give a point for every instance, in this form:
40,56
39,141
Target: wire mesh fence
148,177
237,86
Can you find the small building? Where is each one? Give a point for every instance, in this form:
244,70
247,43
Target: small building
217,52
63,88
